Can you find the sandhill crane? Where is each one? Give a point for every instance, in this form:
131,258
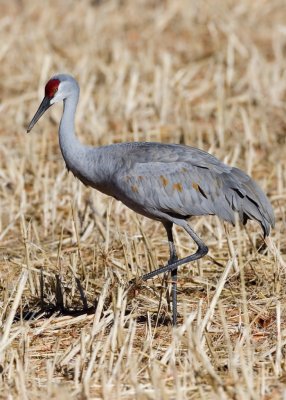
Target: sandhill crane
165,182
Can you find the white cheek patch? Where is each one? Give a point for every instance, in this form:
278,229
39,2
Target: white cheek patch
57,97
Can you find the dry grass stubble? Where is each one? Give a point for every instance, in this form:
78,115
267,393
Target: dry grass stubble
206,74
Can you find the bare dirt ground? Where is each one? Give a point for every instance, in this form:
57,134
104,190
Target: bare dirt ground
204,73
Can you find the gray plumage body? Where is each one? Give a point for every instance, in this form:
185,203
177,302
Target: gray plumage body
175,180
165,182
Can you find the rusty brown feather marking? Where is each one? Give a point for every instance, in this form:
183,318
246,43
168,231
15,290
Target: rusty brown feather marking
164,180
134,188
197,187
178,186
140,178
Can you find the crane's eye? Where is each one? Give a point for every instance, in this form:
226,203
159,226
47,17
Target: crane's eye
51,88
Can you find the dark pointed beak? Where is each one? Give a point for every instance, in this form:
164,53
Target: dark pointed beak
45,104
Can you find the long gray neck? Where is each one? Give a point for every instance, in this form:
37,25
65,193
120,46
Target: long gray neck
82,160
71,148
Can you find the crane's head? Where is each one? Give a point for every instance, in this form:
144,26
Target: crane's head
58,88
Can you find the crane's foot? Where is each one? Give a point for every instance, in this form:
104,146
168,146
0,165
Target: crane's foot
135,285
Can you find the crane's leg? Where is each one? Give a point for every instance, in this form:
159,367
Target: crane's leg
173,257
201,251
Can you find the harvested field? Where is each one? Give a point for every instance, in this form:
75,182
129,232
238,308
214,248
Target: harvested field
207,74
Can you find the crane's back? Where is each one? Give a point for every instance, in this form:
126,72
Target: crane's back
155,179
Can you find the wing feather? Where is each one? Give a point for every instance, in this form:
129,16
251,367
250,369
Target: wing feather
185,181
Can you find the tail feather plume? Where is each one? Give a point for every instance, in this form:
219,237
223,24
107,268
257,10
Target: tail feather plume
251,202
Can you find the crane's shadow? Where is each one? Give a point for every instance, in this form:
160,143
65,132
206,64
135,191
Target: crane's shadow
58,308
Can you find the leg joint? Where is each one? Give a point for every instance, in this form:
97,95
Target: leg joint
204,250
